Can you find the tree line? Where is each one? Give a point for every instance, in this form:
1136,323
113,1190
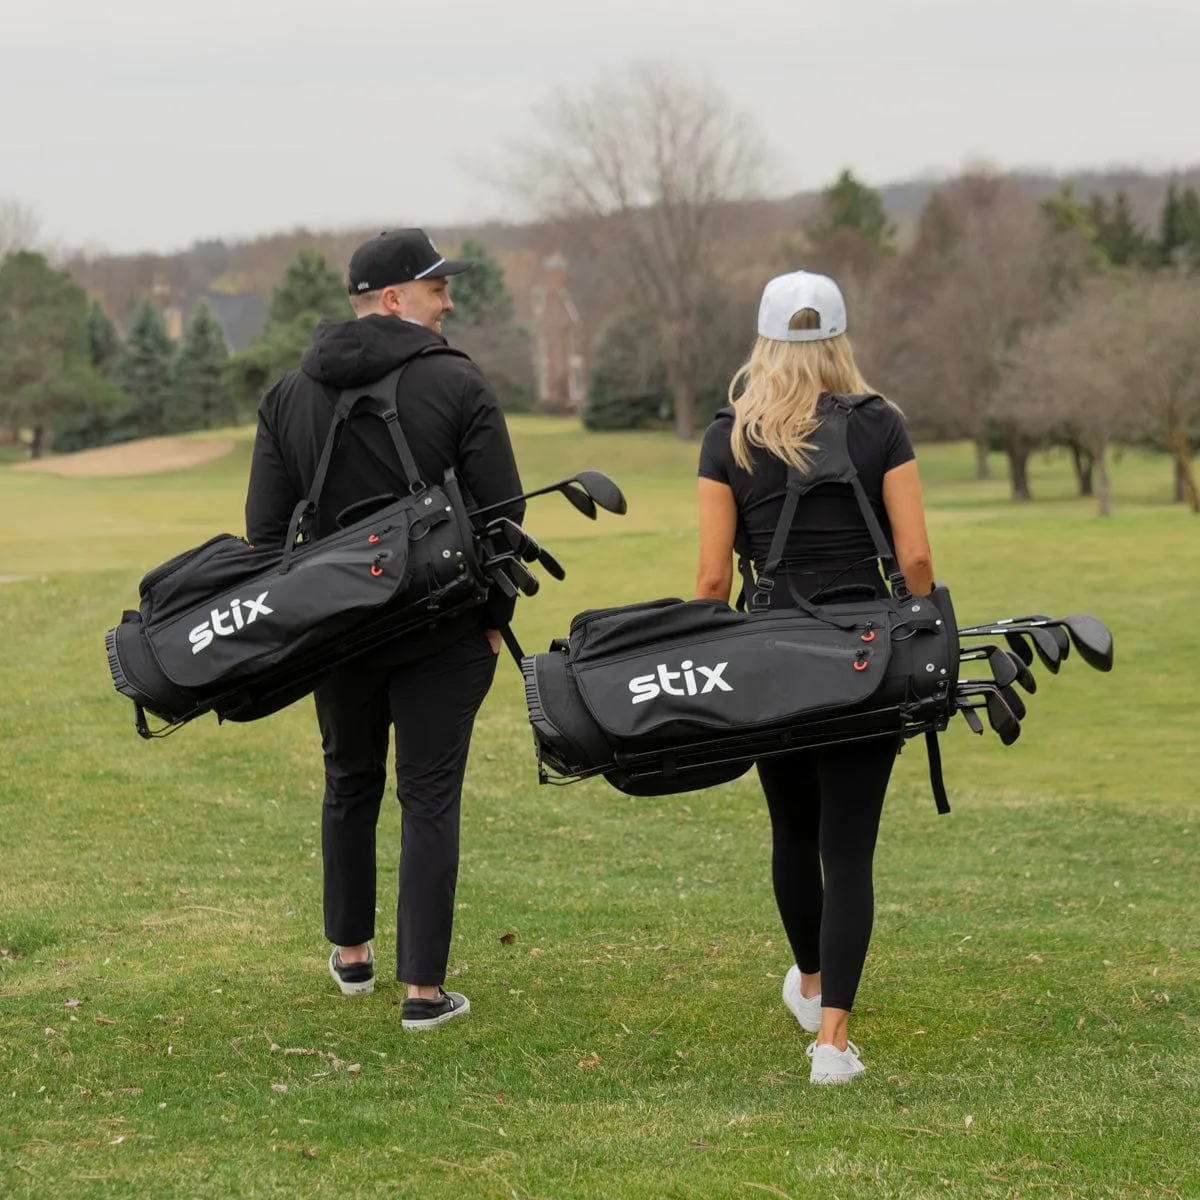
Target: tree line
1014,322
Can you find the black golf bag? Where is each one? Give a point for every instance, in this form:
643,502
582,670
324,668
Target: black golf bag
674,695
244,631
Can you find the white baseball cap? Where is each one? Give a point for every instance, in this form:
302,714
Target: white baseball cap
786,295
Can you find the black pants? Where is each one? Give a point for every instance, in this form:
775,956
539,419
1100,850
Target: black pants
825,807
432,704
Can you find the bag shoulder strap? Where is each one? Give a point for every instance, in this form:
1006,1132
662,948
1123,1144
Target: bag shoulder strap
837,467
379,398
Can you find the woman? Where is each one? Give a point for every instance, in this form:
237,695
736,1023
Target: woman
825,804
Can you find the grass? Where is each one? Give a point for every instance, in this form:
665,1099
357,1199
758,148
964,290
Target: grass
1030,1007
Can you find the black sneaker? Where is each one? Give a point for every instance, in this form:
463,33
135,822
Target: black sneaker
355,979
429,1014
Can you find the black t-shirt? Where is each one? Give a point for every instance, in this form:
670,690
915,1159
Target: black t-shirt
829,531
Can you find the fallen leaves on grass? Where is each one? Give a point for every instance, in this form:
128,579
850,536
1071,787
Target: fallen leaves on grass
592,1060
71,1003
103,1020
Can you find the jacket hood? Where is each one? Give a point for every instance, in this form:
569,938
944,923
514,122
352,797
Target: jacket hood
347,354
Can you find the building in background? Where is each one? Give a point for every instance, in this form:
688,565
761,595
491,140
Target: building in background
557,341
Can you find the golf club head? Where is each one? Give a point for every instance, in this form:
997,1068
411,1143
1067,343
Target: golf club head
1046,645
522,576
1024,677
1002,666
553,567
1092,639
1020,647
1014,702
972,719
581,499
1001,717
603,491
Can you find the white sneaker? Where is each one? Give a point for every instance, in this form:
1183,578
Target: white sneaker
831,1065
806,1010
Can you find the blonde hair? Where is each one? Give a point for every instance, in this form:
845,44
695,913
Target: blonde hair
779,387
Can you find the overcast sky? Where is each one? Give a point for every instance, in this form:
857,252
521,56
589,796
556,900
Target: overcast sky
134,124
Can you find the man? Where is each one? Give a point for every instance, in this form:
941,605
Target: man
428,688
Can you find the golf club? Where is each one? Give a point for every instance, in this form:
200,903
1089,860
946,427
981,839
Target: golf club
1024,676
1090,636
1001,718
523,544
1001,662
972,719
584,491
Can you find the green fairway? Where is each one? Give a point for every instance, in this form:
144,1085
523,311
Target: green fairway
1030,1012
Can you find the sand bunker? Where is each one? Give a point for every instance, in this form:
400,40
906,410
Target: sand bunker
151,456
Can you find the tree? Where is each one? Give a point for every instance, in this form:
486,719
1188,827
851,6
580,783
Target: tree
19,227
310,288
1179,238
848,204
480,295
1068,381
144,369
628,384
1119,233
103,343
649,161
310,291
998,269
202,399
46,374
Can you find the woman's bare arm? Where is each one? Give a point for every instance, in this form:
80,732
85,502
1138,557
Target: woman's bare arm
718,525
906,512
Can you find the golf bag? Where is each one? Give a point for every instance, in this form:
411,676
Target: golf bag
672,695
244,631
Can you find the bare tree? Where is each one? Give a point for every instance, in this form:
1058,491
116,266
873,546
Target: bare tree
1163,368
994,269
19,227
649,161
1069,382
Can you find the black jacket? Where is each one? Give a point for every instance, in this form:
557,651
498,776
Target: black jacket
447,412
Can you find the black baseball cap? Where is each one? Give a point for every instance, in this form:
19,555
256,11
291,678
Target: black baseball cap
399,256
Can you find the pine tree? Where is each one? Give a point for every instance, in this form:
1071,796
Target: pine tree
46,375
310,290
628,387
850,204
480,295
1118,232
103,342
202,399
144,370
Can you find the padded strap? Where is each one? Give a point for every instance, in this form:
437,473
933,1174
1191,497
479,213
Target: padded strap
843,471
380,398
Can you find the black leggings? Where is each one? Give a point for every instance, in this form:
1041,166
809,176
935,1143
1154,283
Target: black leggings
825,807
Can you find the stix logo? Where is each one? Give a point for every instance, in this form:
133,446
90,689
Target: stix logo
647,687
223,623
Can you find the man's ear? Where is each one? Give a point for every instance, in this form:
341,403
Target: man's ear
392,301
